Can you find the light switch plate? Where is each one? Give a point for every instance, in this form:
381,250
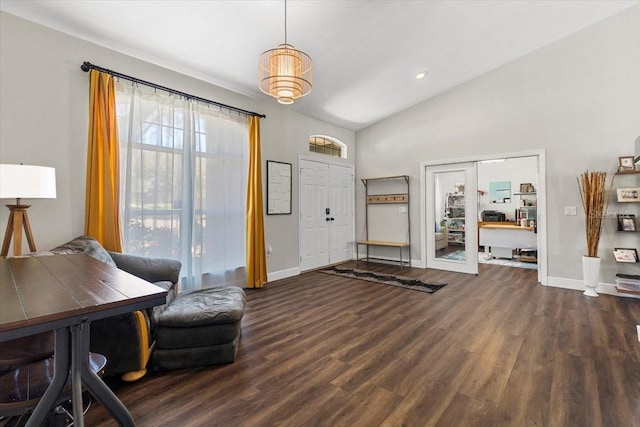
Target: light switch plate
402,209
570,210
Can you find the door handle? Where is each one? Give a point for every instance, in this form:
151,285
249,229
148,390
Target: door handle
333,219
327,219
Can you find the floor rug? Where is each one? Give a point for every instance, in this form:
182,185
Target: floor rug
461,256
387,279
455,256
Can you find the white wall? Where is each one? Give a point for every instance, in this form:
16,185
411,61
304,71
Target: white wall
578,99
43,121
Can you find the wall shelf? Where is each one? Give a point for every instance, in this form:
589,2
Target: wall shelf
626,283
456,221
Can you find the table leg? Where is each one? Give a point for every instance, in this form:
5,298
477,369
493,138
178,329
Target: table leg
92,382
61,363
76,376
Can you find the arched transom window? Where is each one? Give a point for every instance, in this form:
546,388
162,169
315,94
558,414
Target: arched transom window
326,145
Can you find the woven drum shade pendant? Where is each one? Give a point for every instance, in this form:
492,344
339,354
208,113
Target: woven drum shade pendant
285,72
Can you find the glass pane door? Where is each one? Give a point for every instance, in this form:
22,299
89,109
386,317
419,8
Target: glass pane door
452,212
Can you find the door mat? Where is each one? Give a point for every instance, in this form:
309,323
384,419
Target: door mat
386,279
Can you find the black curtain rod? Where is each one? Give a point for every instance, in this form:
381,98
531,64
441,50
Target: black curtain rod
87,66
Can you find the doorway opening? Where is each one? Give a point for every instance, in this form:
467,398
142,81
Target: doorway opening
494,212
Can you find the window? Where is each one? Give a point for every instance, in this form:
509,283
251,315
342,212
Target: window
327,146
183,177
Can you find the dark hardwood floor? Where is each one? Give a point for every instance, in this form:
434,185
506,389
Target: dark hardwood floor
496,349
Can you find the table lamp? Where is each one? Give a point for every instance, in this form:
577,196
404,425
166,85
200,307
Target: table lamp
23,182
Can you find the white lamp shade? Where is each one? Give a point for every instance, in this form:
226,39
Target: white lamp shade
27,182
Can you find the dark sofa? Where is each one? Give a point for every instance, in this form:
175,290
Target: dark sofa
127,340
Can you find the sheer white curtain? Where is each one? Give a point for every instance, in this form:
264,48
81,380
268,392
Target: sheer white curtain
184,175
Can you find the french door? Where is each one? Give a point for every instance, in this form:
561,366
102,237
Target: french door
326,214
451,217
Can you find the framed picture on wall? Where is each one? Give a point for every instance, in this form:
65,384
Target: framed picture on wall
278,188
500,192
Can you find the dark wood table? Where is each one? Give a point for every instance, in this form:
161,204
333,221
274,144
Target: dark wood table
65,293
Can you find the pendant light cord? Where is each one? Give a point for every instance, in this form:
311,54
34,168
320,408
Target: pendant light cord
285,21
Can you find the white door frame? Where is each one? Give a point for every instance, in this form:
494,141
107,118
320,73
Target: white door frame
541,211
335,162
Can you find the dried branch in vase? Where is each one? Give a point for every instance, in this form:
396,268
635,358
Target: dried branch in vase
594,202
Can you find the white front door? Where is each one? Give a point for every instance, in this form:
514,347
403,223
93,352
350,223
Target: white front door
326,214
341,213
451,217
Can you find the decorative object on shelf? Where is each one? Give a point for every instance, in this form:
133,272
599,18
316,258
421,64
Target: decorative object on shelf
625,254
23,182
626,222
527,187
278,188
594,202
285,72
628,283
626,163
628,195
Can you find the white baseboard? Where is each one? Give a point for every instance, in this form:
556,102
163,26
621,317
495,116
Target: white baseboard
417,263
578,285
283,274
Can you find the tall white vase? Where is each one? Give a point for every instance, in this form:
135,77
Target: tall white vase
591,274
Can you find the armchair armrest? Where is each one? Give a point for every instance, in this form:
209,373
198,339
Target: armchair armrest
147,268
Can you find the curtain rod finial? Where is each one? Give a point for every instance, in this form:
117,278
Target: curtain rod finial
86,66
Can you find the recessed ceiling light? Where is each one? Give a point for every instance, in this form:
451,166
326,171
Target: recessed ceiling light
421,75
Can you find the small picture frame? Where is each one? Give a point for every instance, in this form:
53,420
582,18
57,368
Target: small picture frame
625,163
625,254
626,222
527,187
628,195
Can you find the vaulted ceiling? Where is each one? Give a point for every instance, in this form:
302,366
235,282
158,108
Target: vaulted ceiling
366,53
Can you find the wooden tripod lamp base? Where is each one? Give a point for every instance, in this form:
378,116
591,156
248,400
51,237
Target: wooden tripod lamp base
18,219
28,182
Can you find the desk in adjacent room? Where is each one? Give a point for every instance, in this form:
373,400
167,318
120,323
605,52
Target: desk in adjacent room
65,293
500,240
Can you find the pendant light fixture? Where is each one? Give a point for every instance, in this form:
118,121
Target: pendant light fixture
285,72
